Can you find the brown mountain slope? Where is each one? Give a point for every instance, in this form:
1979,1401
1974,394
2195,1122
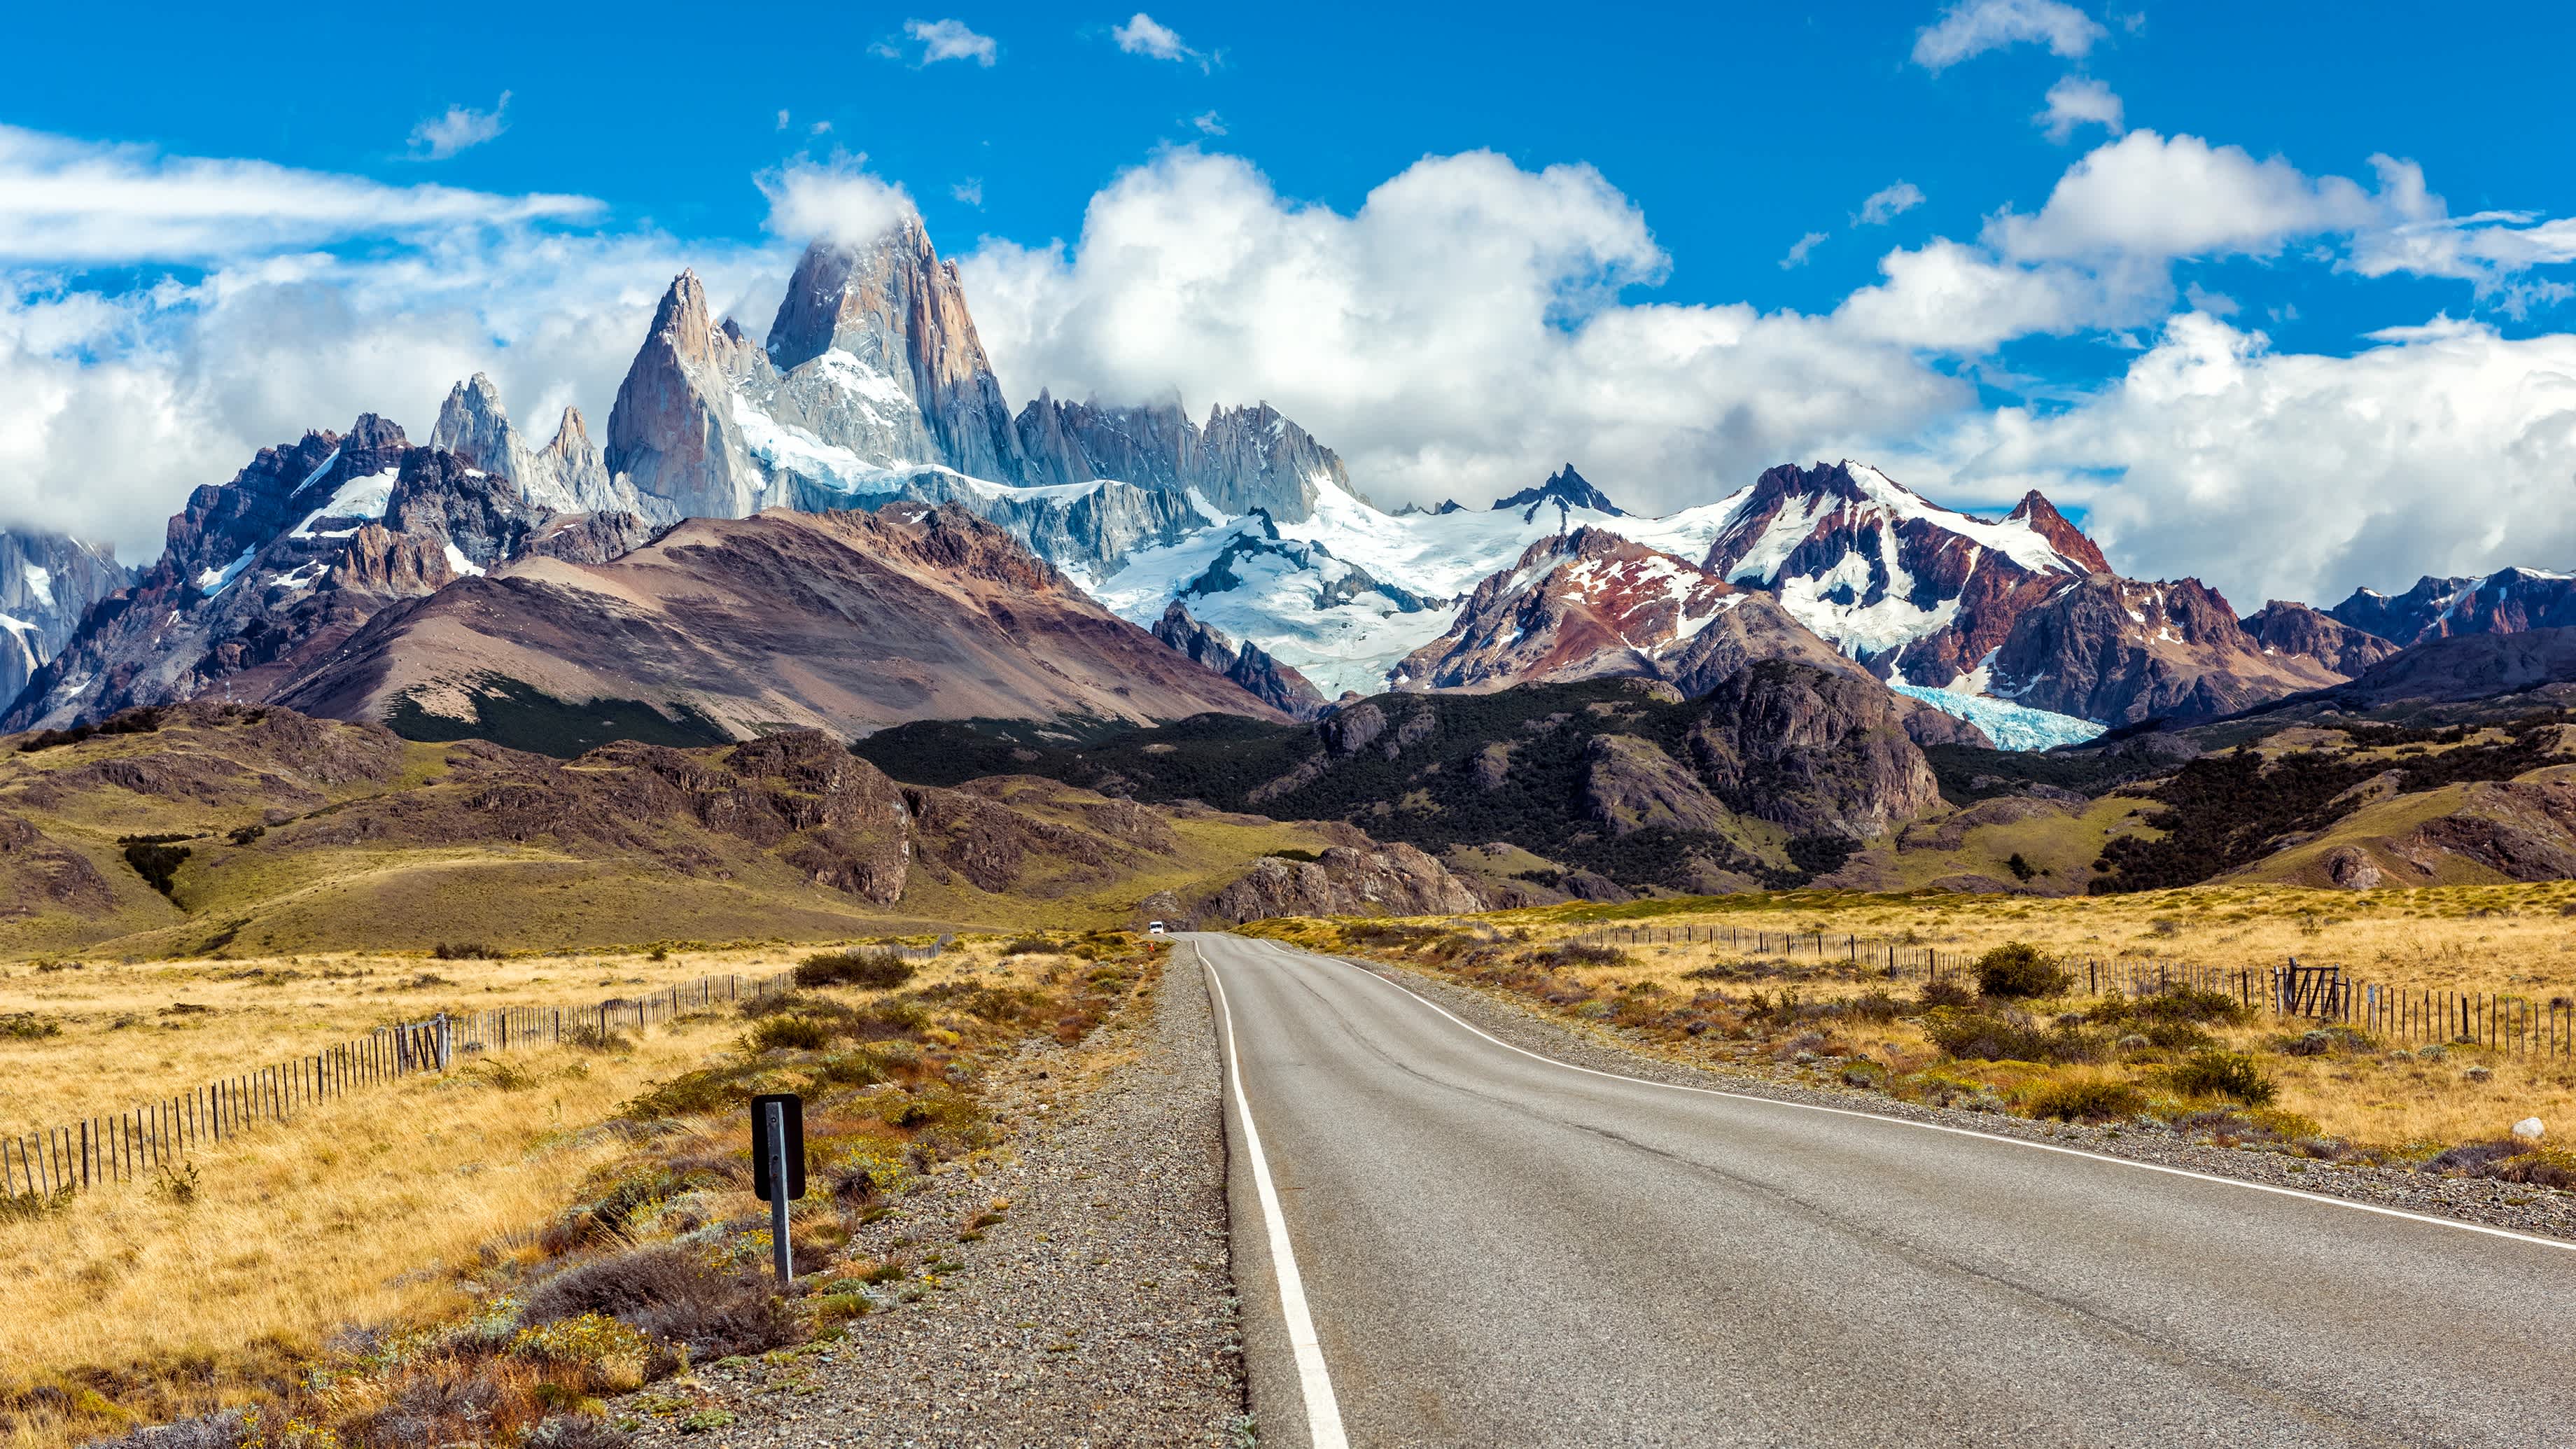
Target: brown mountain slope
205,828
846,622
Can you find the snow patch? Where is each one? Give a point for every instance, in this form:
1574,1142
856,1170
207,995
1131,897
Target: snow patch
463,566
40,582
211,582
366,497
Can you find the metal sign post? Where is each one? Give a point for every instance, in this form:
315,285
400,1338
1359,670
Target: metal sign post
778,1168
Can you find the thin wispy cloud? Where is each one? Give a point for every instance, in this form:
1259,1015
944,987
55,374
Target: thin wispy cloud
1798,250
1144,35
66,200
1209,123
1887,203
1973,27
461,128
938,40
969,191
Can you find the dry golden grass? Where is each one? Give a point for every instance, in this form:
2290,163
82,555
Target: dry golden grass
2499,938
123,1039
358,1213
372,1210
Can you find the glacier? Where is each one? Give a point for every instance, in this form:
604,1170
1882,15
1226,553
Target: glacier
2011,726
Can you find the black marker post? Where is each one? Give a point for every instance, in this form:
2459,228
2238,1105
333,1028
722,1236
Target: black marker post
778,1168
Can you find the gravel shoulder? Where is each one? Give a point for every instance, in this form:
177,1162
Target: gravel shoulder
1098,1312
2541,1211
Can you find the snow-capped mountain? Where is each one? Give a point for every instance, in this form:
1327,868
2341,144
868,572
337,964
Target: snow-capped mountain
47,583
872,386
2505,602
284,562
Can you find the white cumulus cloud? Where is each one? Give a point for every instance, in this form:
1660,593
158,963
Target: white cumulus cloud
1461,332
1973,27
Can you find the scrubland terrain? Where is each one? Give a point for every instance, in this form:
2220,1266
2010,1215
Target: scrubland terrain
2044,1046
492,1253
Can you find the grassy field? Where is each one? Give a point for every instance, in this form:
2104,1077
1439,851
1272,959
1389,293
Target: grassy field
2519,938
90,1037
2344,1095
391,1253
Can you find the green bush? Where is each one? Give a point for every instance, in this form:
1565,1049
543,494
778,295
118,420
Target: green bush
1029,946
2214,1072
873,970
2018,971
2010,1036
2088,1101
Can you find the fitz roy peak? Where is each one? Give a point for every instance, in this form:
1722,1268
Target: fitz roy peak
872,387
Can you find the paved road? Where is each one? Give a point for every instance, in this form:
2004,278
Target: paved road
1498,1250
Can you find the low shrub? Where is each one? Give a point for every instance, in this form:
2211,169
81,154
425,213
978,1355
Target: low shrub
672,1295
27,1026
2216,1072
1938,994
1871,1006
791,1033
1584,953
463,951
1028,946
2010,1036
2019,971
871,970
2095,1101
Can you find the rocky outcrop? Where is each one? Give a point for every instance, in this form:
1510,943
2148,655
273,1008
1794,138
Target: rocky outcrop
1253,458
2110,649
2286,628
673,434
590,538
2508,601
1815,752
2461,667
565,476
1153,446
436,497
1263,677
47,584
1389,880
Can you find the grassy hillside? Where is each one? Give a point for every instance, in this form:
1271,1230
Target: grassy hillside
211,829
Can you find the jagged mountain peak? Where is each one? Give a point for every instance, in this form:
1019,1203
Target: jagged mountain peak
2042,518
1565,488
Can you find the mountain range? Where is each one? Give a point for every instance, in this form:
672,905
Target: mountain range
844,526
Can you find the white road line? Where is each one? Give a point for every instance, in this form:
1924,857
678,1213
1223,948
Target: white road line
2316,1197
1323,1412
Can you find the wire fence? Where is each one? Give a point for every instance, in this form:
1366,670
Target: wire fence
2500,1021
159,1135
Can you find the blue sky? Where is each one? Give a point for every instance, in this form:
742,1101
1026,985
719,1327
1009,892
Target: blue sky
2180,349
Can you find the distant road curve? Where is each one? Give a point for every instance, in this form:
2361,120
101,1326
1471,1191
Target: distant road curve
1496,1249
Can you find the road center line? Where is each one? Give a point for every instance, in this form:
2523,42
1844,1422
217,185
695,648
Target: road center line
1323,1412
2291,1192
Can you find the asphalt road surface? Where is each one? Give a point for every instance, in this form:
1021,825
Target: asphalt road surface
1492,1248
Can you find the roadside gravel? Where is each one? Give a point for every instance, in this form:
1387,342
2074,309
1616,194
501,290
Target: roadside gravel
1098,1312
2542,1211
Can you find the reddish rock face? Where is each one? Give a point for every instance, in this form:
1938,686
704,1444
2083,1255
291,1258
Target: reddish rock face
2107,648
2283,628
1919,591
1591,603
